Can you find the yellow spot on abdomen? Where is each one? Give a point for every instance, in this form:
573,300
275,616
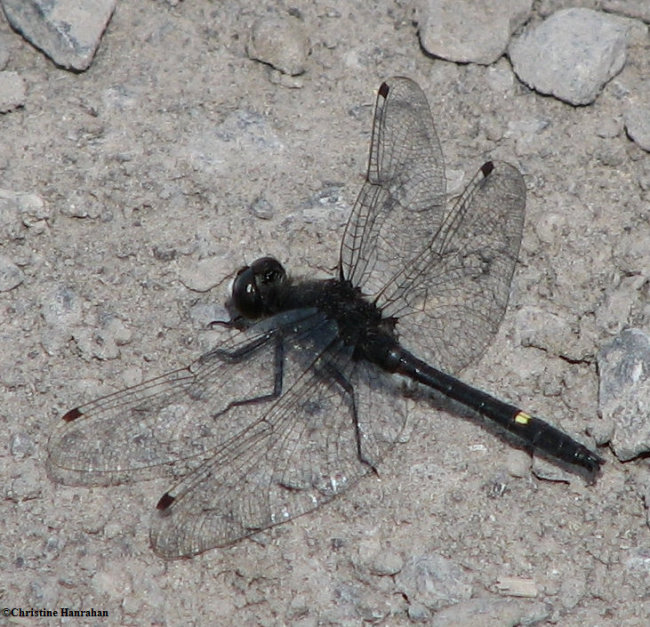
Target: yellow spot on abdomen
522,418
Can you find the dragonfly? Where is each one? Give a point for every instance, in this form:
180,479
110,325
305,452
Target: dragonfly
304,393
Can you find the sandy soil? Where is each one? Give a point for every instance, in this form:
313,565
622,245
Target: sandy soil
152,165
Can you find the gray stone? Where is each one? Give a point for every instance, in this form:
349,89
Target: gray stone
10,227
637,121
262,208
4,50
624,396
27,484
378,559
10,274
386,563
21,445
433,581
19,210
12,91
571,55
67,31
472,31
204,275
638,9
61,307
280,42
550,332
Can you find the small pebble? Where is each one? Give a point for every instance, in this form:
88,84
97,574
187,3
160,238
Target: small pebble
10,274
12,91
637,122
281,43
458,32
571,55
624,395
67,31
204,275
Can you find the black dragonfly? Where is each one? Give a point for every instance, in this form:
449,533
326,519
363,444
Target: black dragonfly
301,399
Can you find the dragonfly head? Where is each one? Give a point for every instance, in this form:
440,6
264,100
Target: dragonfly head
255,287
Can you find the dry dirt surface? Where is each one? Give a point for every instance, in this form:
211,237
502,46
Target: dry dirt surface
174,159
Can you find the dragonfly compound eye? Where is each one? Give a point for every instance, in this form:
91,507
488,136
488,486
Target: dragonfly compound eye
255,286
245,295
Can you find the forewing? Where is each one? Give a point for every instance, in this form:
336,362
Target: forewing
310,447
401,203
450,299
169,424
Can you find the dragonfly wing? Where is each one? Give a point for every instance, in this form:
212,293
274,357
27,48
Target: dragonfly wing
451,298
166,426
441,272
401,203
315,442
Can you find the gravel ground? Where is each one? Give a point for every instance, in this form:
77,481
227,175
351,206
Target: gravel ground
132,190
